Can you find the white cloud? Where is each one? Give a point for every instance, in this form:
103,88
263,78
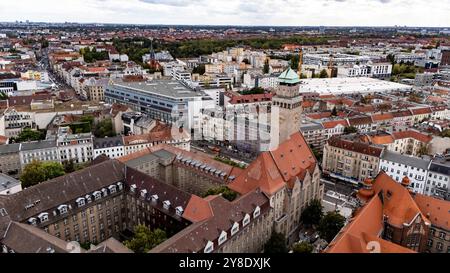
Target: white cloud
234,12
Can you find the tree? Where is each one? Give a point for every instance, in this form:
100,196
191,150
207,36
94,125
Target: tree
334,111
445,133
38,171
318,153
294,62
276,244
104,128
266,67
330,225
423,150
144,239
302,247
323,74
254,90
200,69
350,130
226,192
69,166
28,134
246,61
312,214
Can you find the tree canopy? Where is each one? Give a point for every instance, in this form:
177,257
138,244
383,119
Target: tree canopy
350,130
93,55
104,129
28,134
266,67
323,74
254,90
227,193
38,171
312,214
330,225
199,69
302,247
144,239
276,244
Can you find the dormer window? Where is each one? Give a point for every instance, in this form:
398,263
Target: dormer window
179,210
97,195
62,209
143,192
133,188
154,198
105,192
43,217
246,220
257,212
209,247
112,188
88,198
222,237
166,204
81,202
120,185
234,228
32,221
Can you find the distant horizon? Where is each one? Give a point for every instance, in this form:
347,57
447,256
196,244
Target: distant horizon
275,13
226,25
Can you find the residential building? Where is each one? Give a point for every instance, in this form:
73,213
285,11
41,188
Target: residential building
438,178
9,185
10,159
350,159
398,166
76,147
112,147
44,150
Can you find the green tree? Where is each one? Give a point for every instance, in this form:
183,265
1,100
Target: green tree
200,69
104,129
302,247
350,130
144,239
330,225
38,171
294,62
323,74
254,90
28,134
69,166
445,133
276,244
246,61
334,112
226,192
266,67
312,214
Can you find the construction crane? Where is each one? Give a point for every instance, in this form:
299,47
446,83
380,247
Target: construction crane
300,62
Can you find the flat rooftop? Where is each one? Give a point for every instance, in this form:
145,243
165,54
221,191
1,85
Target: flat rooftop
167,88
349,85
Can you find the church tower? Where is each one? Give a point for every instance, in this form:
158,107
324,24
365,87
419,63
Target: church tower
288,100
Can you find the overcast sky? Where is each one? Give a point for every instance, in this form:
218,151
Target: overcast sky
234,12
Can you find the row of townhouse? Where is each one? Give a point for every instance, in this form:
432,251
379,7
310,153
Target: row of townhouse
317,132
354,158
81,148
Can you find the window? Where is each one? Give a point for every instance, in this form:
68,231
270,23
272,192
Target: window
43,217
257,212
112,189
179,210
442,235
439,246
246,220
75,227
81,202
166,204
222,237
62,209
209,247
97,195
235,228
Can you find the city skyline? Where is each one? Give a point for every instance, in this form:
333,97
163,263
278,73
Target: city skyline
236,12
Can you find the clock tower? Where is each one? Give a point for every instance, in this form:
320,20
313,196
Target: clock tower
288,101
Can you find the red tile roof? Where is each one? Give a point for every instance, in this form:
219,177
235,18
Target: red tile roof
412,134
271,170
334,123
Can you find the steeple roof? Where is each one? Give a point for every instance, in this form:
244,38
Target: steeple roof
289,77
